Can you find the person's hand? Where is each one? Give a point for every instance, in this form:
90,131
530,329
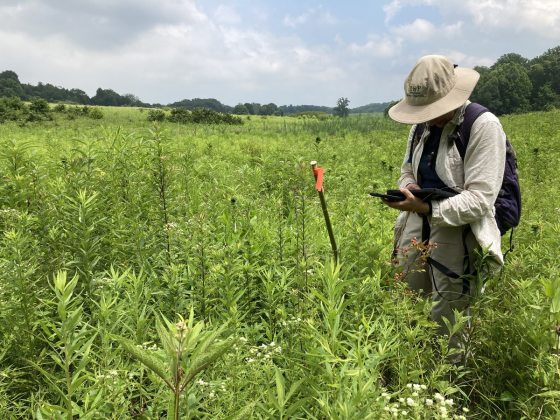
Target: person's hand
412,186
410,203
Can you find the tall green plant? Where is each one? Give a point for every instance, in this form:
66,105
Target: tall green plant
187,351
70,339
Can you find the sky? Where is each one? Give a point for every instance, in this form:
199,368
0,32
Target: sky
285,51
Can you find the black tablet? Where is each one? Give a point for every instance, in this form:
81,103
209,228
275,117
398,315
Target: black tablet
426,194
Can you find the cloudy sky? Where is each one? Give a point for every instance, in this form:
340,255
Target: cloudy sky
286,52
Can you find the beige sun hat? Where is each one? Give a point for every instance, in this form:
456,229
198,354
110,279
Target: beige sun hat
433,88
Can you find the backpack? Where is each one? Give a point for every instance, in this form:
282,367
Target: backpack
508,202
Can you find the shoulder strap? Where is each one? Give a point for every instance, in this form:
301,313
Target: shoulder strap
472,112
418,131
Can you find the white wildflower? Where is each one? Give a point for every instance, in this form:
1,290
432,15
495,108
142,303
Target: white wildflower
417,387
410,402
449,402
438,397
429,402
465,410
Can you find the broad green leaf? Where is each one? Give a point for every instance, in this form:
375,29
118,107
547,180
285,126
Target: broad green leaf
146,359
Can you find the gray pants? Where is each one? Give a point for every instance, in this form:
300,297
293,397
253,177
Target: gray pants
448,248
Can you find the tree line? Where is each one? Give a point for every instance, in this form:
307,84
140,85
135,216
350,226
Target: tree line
513,84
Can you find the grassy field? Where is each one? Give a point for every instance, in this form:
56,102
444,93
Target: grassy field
152,271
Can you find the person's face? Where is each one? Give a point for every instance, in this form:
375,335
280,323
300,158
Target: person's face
442,120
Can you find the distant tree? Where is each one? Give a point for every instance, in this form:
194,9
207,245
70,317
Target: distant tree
388,107
546,98
10,84
505,89
341,109
511,58
297,109
544,72
268,109
78,96
240,109
256,108
249,107
108,97
132,100
482,70
375,107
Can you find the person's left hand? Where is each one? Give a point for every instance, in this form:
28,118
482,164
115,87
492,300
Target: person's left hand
411,203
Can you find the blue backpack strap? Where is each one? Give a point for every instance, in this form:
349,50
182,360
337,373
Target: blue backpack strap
472,112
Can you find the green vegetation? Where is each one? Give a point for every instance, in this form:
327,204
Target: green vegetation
162,270
515,84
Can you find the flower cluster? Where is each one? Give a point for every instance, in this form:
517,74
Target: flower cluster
109,376
292,321
148,345
415,402
264,352
211,389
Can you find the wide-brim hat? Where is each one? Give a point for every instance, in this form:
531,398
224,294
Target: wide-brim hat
433,88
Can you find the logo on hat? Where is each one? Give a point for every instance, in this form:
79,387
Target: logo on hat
416,91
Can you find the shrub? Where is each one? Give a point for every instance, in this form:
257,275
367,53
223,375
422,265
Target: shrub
156,115
96,114
202,116
40,106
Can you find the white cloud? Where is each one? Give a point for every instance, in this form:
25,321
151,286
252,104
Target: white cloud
378,46
227,15
538,16
452,30
418,31
541,17
395,6
391,9
97,24
465,60
317,15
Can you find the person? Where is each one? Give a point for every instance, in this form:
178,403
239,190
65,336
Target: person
437,242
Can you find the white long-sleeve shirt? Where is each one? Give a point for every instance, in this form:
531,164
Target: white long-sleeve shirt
478,178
